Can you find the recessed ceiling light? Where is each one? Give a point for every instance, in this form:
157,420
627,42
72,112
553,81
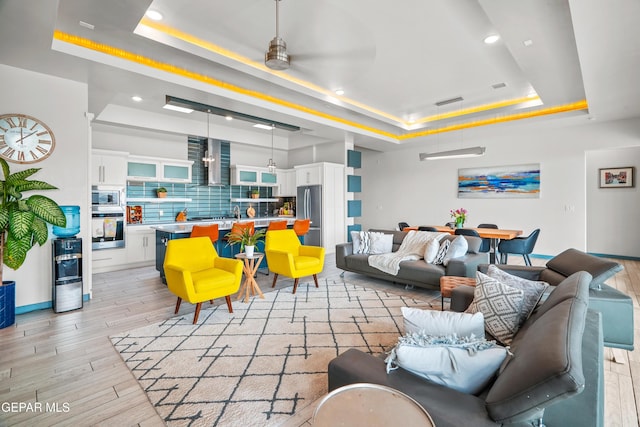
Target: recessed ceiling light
177,108
154,15
86,25
491,39
229,118
136,98
261,126
339,92
527,43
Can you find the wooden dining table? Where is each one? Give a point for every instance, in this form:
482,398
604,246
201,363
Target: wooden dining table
493,234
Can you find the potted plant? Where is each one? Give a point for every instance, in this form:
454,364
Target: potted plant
161,192
255,193
246,238
23,223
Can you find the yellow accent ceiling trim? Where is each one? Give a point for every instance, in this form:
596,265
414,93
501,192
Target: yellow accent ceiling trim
172,69
576,106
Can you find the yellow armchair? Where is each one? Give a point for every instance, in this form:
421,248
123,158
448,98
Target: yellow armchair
286,256
195,273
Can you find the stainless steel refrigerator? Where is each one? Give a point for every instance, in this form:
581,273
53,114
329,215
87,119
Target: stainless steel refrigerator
309,205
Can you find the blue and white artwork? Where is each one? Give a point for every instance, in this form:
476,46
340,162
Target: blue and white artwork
517,181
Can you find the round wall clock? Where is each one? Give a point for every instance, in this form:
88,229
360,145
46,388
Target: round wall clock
24,139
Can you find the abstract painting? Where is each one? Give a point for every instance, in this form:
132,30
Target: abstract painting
516,181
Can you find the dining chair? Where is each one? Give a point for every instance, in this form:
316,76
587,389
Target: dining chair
195,273
520,245
485,246
287,257
277,225
402,225
427,228
211,231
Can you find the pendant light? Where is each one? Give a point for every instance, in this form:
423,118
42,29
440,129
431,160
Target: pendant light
208,158
272,164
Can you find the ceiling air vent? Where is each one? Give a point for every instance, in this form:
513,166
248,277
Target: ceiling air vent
499,85
449,101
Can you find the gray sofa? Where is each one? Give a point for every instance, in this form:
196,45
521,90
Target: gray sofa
615,306
555,373
417,273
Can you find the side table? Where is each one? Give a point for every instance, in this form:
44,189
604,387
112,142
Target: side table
369,405
448,283
250,266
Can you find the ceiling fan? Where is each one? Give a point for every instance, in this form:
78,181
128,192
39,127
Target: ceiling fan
277,57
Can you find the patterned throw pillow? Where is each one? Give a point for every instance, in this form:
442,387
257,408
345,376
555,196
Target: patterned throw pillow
442,252
457,248
533,290
501,306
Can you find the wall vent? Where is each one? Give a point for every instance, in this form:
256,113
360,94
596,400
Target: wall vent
449,101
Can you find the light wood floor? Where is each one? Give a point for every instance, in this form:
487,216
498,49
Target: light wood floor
66,360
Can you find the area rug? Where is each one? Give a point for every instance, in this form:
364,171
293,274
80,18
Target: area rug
266,360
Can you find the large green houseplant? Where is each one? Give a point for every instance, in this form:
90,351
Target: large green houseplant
23,220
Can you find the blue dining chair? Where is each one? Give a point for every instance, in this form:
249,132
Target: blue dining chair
520,245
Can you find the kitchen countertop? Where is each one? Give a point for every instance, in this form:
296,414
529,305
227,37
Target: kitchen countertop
224,224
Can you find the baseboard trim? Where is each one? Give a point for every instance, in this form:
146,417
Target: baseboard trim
42,306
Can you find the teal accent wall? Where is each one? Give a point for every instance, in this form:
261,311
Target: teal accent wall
354,208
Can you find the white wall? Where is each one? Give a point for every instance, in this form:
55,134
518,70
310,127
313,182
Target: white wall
61,104
613,212
398,187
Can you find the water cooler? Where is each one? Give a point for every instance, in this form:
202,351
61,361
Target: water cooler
67,263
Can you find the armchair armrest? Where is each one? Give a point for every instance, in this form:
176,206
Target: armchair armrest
342,251
526,272
314,251
233,266
280,262
179,281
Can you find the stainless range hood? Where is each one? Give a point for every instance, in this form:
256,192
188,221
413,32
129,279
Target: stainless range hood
214,162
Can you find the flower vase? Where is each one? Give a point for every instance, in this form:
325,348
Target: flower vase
248,250
459,223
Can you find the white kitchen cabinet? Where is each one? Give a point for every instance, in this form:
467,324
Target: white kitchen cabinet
141,245
309,174
108,167
286,183
142,168
104,260
253,175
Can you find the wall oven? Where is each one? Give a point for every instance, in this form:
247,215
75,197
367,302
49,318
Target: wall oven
107,217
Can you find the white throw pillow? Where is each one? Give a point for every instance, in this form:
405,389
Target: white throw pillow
381,243
533,290
501,306
431,250
457,248
463,364
355,240
433,322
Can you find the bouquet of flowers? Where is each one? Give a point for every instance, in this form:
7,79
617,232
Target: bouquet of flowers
459,216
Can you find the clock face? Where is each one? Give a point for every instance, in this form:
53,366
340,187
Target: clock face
24,139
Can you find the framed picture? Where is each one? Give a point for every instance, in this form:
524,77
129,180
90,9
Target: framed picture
616,177
500,182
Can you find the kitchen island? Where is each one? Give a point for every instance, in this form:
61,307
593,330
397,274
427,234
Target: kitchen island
181,230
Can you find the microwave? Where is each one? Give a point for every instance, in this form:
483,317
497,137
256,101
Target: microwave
105,195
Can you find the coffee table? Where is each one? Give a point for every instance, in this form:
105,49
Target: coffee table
250,266
448,283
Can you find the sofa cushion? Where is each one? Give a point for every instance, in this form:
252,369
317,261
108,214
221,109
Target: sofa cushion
463,364
369,242
431,250
501,306
547,357
419,271
432,322
533,290
457,248
398,236
573,260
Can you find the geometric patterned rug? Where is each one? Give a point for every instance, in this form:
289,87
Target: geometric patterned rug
260,364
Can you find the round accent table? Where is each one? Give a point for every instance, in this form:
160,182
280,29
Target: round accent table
448,283
250,266
370,405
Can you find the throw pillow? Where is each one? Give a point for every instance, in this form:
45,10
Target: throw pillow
431,250
432,322
457,248
381,243
533,290
355,240
442,252
501,306
463,364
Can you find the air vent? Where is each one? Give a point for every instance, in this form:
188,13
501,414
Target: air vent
499,85
449,101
